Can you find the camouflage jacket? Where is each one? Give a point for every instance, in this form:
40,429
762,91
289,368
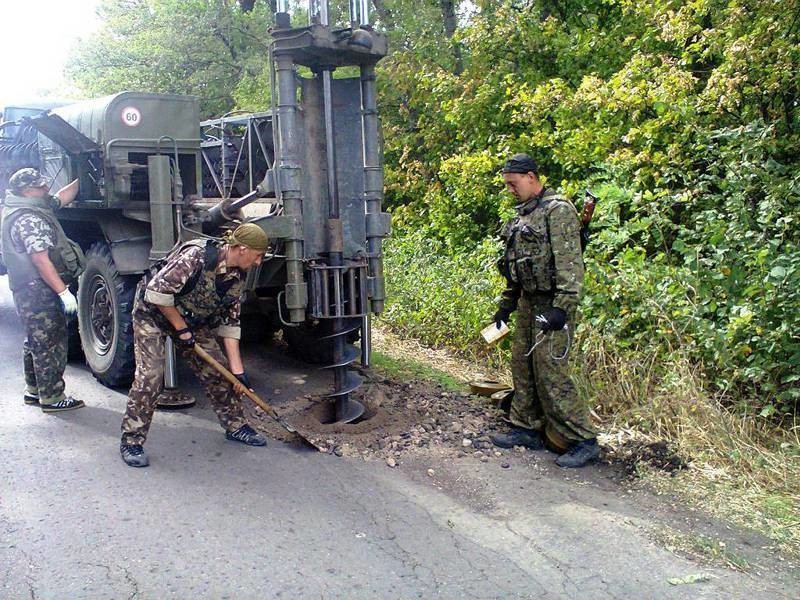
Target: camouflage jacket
543,252
196,280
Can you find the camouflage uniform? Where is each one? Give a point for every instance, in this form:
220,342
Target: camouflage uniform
544,269
44,351
207,294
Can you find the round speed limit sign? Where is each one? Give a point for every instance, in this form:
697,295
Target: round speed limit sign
131,116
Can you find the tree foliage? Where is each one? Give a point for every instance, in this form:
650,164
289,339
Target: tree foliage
683,115
214,49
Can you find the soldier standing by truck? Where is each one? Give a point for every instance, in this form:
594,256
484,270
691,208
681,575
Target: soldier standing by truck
193,296
41,262
544,270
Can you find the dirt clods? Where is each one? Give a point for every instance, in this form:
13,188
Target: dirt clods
402,418
634,453
399,417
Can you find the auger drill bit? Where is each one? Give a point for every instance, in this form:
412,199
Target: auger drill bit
346,410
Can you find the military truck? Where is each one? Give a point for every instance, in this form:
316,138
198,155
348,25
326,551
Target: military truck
311,176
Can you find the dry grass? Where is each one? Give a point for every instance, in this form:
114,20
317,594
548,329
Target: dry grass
744,468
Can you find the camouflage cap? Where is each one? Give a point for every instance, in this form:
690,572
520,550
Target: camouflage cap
249,235
27,178
521,163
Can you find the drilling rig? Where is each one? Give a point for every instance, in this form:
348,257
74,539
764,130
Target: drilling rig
309,171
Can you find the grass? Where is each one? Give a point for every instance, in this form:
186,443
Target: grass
401,368
401,357
703,547
743,467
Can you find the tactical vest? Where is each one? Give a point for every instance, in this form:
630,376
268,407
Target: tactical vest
528,258
202,300
66,256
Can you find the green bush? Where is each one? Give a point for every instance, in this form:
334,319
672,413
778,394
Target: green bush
737,320
683,117
440,297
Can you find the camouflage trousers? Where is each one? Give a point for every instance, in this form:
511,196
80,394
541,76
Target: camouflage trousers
544,393
44,351
149,379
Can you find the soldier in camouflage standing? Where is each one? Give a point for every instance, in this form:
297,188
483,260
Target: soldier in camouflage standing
192,297
41,262
544,270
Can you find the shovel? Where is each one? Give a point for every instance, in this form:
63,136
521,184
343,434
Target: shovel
250,394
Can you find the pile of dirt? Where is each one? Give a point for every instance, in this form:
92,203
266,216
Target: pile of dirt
634,453
399,418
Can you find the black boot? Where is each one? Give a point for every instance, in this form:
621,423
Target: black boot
247,435
518,436
579,454
134,455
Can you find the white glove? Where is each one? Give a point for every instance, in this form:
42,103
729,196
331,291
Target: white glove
69,301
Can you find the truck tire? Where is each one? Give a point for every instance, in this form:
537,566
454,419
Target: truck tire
105,301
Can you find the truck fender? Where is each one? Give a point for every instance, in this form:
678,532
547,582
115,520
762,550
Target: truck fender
129,241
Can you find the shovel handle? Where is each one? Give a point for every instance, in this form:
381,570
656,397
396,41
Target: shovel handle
232,378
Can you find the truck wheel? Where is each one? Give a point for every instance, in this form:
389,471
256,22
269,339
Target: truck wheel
105,301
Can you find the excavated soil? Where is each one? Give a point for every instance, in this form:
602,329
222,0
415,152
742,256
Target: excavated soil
402,419
399,418
635,453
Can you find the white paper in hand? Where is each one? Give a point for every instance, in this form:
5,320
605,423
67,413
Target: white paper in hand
491,333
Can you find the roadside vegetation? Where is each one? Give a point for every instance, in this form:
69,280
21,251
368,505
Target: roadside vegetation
742,466
683,117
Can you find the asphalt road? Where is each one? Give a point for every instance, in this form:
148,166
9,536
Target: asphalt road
213,519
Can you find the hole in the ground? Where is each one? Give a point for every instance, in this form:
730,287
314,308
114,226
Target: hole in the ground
325,413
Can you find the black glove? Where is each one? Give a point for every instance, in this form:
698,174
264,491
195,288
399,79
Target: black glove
501,316
243,379
183,344
502,267
554,321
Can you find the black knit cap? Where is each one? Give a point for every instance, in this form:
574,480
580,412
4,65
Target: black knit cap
521,163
